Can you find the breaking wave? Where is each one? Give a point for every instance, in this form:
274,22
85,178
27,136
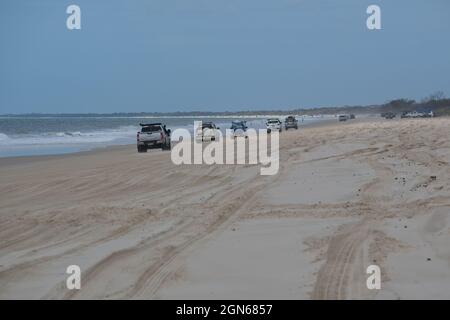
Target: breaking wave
123,135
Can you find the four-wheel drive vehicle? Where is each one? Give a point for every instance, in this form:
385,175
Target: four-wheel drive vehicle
239,128
417,114
208,132
273,124
153,135
388,115
343,117
411,114
290,122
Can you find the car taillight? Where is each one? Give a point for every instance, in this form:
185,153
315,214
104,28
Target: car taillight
162,136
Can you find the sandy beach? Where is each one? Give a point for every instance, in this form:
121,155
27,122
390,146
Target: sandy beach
347,195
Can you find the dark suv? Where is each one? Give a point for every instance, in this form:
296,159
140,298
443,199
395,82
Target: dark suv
290,122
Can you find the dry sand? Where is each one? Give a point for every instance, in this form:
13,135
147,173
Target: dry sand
347,195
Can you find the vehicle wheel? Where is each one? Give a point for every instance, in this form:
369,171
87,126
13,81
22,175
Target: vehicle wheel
166,146
142,149
268,130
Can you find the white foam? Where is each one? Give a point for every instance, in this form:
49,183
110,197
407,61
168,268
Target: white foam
3,137
122,134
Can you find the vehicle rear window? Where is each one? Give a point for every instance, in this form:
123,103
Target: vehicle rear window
151,129
207,125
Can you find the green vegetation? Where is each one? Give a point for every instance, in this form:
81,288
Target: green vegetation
436,102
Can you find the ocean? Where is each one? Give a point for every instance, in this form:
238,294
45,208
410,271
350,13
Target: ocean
30,135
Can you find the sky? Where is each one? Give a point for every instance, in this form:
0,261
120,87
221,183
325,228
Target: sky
218,55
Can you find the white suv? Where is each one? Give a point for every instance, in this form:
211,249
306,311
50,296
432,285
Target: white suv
273,124
208,132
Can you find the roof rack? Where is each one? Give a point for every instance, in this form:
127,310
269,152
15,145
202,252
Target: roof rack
150,124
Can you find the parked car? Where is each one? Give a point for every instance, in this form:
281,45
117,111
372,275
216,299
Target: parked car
239,128
153,135
343,117
273,124
352,116
388,115
208,132
290,122
418,114
425,113
404,114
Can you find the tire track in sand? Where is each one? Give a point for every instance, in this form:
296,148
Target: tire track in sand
342,274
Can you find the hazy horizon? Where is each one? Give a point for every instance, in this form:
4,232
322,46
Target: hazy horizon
216,56
188,112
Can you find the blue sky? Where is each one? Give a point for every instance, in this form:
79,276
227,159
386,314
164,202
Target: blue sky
216,55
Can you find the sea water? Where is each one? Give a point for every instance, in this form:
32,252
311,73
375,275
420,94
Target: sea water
38,135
